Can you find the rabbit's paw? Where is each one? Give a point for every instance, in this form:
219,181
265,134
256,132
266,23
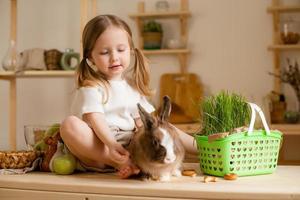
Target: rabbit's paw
176,173
165,177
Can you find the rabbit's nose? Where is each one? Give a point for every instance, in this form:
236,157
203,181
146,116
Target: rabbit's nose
169,159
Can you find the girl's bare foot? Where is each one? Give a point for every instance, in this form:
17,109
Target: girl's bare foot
128,170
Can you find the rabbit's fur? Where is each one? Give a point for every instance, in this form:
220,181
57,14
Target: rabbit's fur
156,147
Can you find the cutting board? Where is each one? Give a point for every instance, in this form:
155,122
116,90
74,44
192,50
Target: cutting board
185,91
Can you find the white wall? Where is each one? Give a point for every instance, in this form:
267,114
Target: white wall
228,40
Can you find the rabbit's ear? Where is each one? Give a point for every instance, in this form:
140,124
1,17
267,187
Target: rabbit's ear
166,109
146,118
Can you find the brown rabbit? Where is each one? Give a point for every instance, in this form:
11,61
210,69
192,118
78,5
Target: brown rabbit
156,147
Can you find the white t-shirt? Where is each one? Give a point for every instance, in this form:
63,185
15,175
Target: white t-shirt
120,109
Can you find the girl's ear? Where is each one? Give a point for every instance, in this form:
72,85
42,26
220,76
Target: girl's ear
166,109
132,52
91,64
146,118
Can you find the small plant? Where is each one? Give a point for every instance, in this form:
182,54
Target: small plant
291,75
152,35
152,26
223,113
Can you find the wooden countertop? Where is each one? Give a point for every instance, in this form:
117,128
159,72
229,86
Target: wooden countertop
283,184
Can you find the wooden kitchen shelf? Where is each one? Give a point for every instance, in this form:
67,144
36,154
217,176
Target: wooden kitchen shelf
284,47
287,129
12,77
182,15
161,14
291,132
276,10
24,74
283,9
167,51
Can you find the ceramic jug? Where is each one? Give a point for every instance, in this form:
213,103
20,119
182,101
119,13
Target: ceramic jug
10,59
67,59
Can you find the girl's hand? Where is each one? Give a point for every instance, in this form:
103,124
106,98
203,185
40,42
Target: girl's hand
118,153
138,122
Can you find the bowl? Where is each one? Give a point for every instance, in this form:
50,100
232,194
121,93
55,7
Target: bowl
174,44
35,135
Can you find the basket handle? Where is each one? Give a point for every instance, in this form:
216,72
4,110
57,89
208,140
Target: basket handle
255,108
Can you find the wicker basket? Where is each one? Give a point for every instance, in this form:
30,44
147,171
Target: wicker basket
17,159
246,153
52,59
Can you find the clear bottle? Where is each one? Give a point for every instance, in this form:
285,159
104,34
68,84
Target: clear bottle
9,61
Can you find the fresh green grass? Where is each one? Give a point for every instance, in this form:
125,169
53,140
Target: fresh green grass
224,112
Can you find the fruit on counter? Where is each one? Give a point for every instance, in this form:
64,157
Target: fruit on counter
230,176
64,164
52,129
40,146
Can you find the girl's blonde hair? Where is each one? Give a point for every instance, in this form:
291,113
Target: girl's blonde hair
137,77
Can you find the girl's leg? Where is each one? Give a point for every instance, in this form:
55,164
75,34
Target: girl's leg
188,141
88,148
83,143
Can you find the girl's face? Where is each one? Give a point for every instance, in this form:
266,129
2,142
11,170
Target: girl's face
111,53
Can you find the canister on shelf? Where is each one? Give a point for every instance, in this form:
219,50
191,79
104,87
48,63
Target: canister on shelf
162,6
67,59
290,31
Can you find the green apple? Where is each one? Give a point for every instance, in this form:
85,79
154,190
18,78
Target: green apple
64,164
40,146
54,128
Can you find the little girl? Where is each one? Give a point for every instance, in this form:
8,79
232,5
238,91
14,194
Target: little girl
105,104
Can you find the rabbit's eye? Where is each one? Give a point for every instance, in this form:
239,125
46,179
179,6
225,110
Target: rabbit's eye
155,143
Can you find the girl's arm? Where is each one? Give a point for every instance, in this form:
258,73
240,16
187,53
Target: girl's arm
99,125
187,140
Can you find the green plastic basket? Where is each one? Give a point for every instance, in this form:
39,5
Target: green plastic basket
247,153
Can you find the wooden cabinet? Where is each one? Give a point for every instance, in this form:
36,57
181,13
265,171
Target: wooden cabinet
183,14
289,152
282,184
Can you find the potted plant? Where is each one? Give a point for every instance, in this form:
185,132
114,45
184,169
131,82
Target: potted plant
152,34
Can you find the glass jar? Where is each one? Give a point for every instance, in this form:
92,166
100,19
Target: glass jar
35,135
162,6
174,44
289,32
